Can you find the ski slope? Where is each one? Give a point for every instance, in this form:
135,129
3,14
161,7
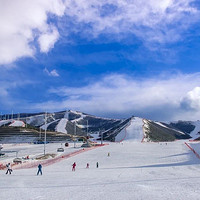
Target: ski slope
134,131
134,170
61,127
17,123
4,122
194,134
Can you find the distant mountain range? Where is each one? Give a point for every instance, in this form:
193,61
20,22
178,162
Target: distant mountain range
73,123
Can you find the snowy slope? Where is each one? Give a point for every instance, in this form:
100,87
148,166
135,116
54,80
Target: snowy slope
112,129
48,124
194,134
4,122
61,127
134,131
17,123
133,170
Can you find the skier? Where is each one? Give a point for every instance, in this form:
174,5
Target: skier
73,166
87,166
39,169
97,165
8,167
108,154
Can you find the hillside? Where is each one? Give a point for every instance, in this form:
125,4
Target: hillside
82,124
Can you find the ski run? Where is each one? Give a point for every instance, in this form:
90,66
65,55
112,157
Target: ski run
134,170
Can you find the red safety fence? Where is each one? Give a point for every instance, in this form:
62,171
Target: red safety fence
54,160
194,141
197,155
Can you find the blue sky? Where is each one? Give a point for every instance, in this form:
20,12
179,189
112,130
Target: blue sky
109,58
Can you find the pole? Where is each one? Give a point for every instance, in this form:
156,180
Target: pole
101,137
40,134
74,134
87,127
45,133
26,120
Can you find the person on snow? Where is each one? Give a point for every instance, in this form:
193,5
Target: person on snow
87,166
8,167
97,165
74,166
39,169
108,154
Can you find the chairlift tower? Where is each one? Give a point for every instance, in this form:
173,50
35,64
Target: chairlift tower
45,133
87,128
75,134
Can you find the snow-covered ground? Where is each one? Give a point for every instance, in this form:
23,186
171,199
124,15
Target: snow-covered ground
48,124
61,127
134,131
4,122
194,134
33,150
17,123
134,170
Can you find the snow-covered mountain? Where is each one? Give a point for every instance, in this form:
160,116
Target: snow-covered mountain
190,127
82,124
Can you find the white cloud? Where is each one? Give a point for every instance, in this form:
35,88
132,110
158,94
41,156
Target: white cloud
53,72
120,95
192,100
48,39
22,22
152,20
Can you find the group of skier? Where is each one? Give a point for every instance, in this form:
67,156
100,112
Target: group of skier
9,169
87,166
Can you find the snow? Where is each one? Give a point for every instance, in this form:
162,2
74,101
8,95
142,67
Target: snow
17,123
61,127
47,125
4,122
85,115
194,134
134,131
37,119
80,118
134,170
33,150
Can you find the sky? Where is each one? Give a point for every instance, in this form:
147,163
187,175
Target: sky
113,58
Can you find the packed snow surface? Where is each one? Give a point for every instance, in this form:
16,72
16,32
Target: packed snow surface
17,123
48,124
4,122
61,127
134,170
134,131
194,134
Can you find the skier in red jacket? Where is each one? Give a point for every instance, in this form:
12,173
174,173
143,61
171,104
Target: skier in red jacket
73,166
